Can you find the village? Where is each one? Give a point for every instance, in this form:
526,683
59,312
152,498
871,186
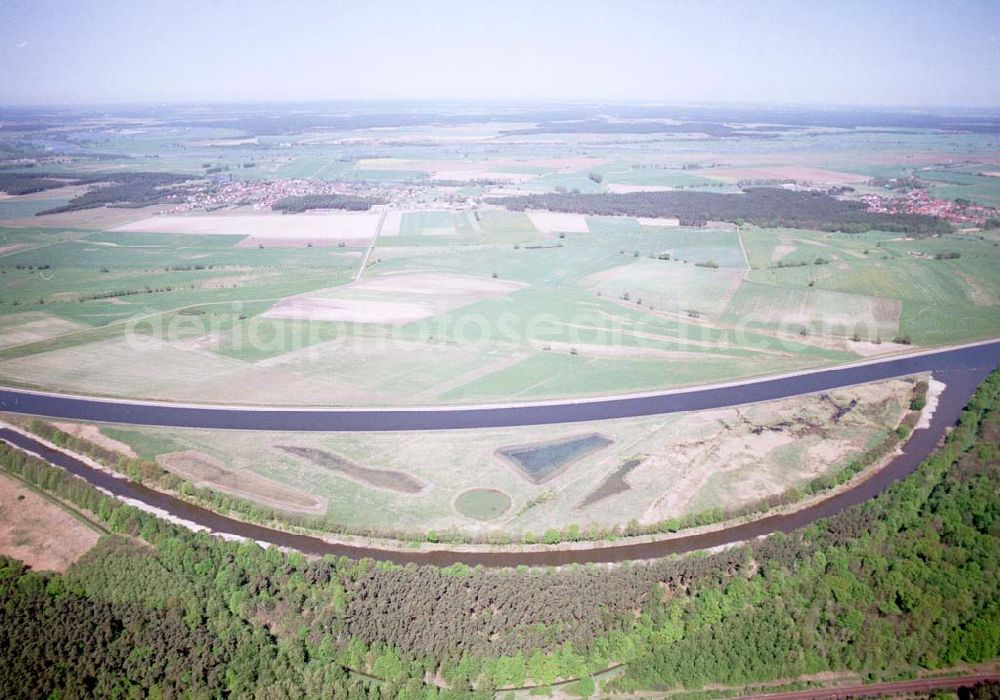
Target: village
918,201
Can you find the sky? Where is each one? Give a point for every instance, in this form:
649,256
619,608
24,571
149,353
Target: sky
847,52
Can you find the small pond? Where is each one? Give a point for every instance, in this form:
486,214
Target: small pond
542,461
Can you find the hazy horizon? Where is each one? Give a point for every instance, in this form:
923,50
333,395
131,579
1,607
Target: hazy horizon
926,55
506,102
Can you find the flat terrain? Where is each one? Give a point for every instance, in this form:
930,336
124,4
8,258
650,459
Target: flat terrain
392,299
650,468
462,301
266,227
622,307
39,532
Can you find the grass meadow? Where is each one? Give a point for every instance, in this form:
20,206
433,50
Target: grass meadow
598,312
686,463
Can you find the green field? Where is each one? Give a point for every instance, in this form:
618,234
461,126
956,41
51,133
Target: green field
428,223
599,312
980,189
426,293
640,175
552,182
628,305
940,301
482,504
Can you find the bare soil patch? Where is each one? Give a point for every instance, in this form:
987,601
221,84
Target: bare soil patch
390,226
484,174
100,218
613,483
658,221
798,173
204,470
979,294
741,455
934,391
211,143
391,299
67,192
5,249
389,479
869,349
326,226
18,329
619,188
91,433
780,251
37,531
554,222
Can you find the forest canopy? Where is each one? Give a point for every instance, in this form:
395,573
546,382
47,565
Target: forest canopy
128,189
760,206
350,202
900,583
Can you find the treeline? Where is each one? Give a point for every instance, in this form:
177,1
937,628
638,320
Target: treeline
299,624
761,206
115,293
129,189
350,202
29,183
55,639
186,615
137,189
904,581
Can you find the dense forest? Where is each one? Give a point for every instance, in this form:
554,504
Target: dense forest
28,183
137,189
126,189
350,202
903,582
760,206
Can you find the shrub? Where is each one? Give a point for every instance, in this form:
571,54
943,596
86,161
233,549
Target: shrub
583,688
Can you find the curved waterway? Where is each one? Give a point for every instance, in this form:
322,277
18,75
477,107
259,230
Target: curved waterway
961,382
458,417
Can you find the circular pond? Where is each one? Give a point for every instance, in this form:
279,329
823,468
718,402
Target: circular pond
482,504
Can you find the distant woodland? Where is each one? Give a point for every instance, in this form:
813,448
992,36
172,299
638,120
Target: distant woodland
125,189
29,183
905,581
350,202
760,206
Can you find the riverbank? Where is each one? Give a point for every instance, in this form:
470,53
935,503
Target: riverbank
959,387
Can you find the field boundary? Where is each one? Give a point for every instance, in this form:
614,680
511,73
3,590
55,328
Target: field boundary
371,247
